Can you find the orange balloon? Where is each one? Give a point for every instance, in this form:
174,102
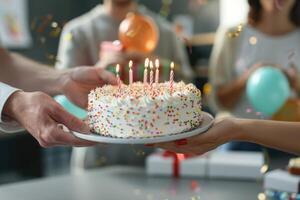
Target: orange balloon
138,33
289,112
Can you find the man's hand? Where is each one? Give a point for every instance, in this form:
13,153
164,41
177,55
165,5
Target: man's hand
43,118
78,82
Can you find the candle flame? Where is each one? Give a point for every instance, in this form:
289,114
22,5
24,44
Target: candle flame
146,62
151,65
117,68
157,63
130,64
172,65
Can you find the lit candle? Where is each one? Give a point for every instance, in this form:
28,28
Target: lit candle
146,71
151,73
118,76
171,77
157,71
130,72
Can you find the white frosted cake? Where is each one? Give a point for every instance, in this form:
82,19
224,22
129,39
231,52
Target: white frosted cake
138,111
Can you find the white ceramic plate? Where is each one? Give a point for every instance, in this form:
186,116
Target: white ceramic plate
207,122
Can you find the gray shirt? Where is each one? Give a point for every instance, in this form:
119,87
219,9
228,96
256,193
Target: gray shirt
82,36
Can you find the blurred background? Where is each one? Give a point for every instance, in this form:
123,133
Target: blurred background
194,21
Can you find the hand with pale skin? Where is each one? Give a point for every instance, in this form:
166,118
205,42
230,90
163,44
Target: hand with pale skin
43,118
37,112
77,83
284,136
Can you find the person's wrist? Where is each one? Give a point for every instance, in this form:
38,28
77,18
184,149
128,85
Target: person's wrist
233,131
239,132
227,129
61,81
13,104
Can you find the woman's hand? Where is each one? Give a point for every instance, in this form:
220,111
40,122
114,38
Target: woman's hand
257,66
293,76
221,132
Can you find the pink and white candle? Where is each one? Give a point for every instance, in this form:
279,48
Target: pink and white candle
171,76
151,73
157,71
130,72
146,71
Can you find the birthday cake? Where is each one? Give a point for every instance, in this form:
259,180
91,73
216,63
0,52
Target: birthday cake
139,110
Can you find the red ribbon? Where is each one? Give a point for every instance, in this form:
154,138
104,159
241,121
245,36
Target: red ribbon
177,158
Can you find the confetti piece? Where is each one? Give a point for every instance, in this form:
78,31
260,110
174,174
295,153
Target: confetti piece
264,169
194,186
166,8
54,24
68,36
195,198
253,40
261,196
237,32
207,88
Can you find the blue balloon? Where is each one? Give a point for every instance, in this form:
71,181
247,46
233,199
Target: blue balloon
267,90
70,107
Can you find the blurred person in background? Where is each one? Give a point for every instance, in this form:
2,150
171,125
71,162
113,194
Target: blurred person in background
90,32
22,106
101,25
270,35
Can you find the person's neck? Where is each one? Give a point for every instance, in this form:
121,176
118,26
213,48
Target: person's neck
275,24
119,11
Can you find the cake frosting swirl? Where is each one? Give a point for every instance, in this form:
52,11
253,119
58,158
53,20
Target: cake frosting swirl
136,110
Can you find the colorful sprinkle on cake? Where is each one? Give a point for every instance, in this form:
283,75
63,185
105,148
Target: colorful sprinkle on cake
138,110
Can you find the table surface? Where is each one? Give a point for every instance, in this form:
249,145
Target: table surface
128,183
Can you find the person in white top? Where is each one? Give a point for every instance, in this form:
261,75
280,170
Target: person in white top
271,37
37,111
275,25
